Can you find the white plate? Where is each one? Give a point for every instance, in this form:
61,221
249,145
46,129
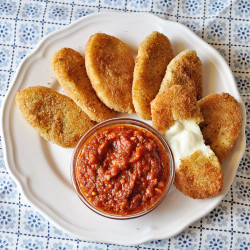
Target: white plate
42,169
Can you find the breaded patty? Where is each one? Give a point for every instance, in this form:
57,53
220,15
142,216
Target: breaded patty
184,69
222,122
199,176
176,114
110,67
69,68
176,103
56,117
154,54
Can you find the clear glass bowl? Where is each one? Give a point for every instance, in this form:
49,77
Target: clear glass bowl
108,123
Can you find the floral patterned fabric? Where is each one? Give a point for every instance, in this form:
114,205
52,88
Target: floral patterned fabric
224,24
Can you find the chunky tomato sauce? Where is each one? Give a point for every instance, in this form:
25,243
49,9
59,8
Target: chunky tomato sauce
122,169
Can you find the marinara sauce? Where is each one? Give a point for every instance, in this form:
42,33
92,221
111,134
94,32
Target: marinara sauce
122,169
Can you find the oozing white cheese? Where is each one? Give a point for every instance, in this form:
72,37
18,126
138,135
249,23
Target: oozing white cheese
184,138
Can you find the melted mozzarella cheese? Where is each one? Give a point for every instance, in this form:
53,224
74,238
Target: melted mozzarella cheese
184,138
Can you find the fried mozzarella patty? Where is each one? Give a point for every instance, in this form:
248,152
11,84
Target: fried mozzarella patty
110,67
154,54
222,122
55,116
176,114
185,69
176,103
69,68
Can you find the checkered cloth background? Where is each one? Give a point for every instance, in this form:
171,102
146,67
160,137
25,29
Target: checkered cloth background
224,24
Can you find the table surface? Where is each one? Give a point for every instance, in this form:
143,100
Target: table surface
223,24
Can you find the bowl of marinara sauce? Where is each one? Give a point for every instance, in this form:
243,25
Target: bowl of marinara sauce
122,168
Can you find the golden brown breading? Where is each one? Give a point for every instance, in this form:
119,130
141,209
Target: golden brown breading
222,122
199,176
69,68
184,69
177,103
154,54
56,117
110,67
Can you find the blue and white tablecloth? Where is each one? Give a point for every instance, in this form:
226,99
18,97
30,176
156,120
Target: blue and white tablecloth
224,24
